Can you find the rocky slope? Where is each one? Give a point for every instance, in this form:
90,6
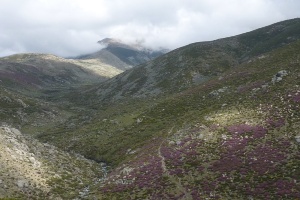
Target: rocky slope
212,120
122,55
33,170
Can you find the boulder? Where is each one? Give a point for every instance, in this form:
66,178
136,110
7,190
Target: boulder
278,76
32,159
22,183
297,138
22,103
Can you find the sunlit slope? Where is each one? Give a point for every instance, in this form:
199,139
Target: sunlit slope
42,71
33,170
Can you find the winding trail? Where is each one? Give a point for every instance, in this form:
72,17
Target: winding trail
173,179
163,163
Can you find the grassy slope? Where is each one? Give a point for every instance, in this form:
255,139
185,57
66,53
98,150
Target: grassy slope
194,64
114,129
238,144
203,118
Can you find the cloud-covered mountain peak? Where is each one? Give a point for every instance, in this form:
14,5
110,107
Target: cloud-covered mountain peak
123,55
114,42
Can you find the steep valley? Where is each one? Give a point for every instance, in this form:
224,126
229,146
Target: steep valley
210,120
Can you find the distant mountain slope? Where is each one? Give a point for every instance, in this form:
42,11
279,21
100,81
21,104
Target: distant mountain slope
121,55
211,120
196,63
42,71
234,137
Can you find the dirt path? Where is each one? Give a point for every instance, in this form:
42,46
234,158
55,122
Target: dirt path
163,163
173,179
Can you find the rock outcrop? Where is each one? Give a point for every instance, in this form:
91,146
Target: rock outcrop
30,169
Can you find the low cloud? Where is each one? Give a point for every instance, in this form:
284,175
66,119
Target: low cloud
73,27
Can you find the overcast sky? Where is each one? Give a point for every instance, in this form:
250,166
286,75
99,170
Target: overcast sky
73,27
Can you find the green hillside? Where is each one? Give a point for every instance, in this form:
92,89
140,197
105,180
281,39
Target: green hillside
211,120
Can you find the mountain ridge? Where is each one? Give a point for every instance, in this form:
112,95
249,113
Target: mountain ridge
197,62
123,55
46,71
210,120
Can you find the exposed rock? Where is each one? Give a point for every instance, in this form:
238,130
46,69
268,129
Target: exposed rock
22,103
28,165
139,120
217,92
297,138
32,159
265,86
130,151
278,77
7,99
127,170
22,183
